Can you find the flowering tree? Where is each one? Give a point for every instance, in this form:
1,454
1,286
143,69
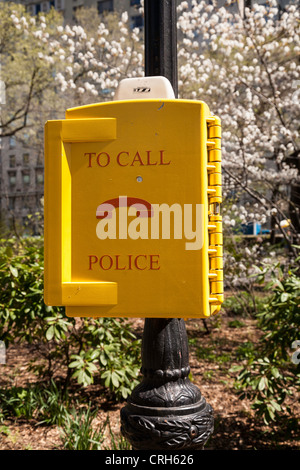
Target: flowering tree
93,61
27,78
247,70
47,67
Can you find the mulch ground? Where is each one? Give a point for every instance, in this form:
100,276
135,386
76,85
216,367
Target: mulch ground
211,357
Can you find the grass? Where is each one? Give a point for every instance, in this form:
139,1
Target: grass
48,406
77,432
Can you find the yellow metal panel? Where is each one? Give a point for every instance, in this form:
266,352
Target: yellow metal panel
215,251
89,293
104,255
52,213
216,238
216,275
217,298
66,241
215,179
214,144
215,227
214,167
214,155
216,287
213,121
97,130
215,218
216,263
215,194
214,131
57,205
214,309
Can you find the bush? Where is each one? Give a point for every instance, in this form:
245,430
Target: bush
81,348
243,304
46,404
270,375
77,431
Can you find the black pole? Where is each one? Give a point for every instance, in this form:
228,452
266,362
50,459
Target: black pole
161,40
165,411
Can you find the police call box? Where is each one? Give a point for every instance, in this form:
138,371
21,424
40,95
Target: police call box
132,206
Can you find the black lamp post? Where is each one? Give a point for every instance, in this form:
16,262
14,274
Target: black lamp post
161,40
165,411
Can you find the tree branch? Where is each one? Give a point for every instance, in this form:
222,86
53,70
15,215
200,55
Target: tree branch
23,115
257,197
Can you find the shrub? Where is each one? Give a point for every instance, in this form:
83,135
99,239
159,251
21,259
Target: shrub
77,431
243,304
46,404
82,348
270,375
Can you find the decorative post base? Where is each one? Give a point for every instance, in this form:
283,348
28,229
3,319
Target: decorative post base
166,411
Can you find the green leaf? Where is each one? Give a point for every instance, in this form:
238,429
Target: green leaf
235,368
75,364
94,354
284,297
114,379
279,285
50,333
275,372
262,384
103,359
271,411
14,271
92,368
80,375
275,405
107,381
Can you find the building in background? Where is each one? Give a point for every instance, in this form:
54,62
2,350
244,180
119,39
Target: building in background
69,7
22,185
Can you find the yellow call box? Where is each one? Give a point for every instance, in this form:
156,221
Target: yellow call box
132,210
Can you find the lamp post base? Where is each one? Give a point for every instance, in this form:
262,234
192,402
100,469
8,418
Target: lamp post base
178,428
166,411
